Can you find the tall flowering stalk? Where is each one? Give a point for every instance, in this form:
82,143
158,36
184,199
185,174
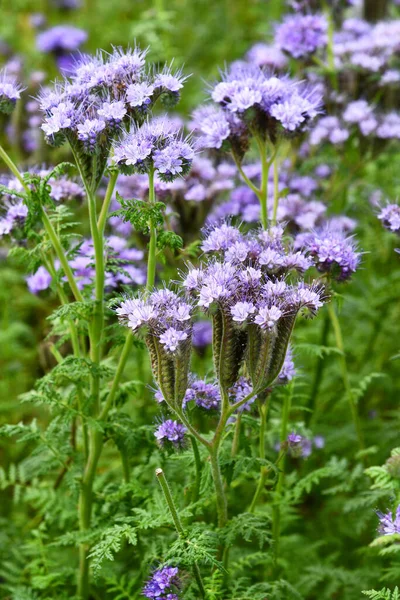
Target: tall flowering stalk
105,96
252,105
241,285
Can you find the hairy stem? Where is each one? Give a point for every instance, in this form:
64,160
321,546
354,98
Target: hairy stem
151,259
263,408
60,253
276,510
263,196
236,435
222,505
178,524
101,223
276,190
197,464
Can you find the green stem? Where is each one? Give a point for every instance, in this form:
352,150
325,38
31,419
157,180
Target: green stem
75,347
48,227
101,223
248,181
197,464
263,196
345,374
236,435
178,524
276,511
14,169
85,509
222,505
263,408
319,371
276,190
151,259
59,250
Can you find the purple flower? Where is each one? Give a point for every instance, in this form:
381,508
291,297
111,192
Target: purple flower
64,189
266,55
162,582
39,281
302,35
390,217
10,92
289,114
205,395
267,317
288,370
332,252
88,133
202,334
171,338
389,524
172,82
357,111
171,431
212,126
61,38
112,112
156,143
240,391
241,311
139,94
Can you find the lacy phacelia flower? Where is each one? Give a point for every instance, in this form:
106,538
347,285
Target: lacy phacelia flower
250,100
61,38
10,92
103,94
332,252
249,300
40,281
202,335
302,35
267,55
167,322
390,217
162,583
389,523
155,145
171,431
14,211
205,395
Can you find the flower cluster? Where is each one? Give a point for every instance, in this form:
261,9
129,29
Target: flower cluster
171,432
156,145
243,287
389,523
332,251
10,92
14,215
302,35
60,39
205,395
120,266
167,323
390,217
299,445
162,584
250,101
103,94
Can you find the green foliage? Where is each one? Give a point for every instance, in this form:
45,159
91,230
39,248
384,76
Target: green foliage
384,594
